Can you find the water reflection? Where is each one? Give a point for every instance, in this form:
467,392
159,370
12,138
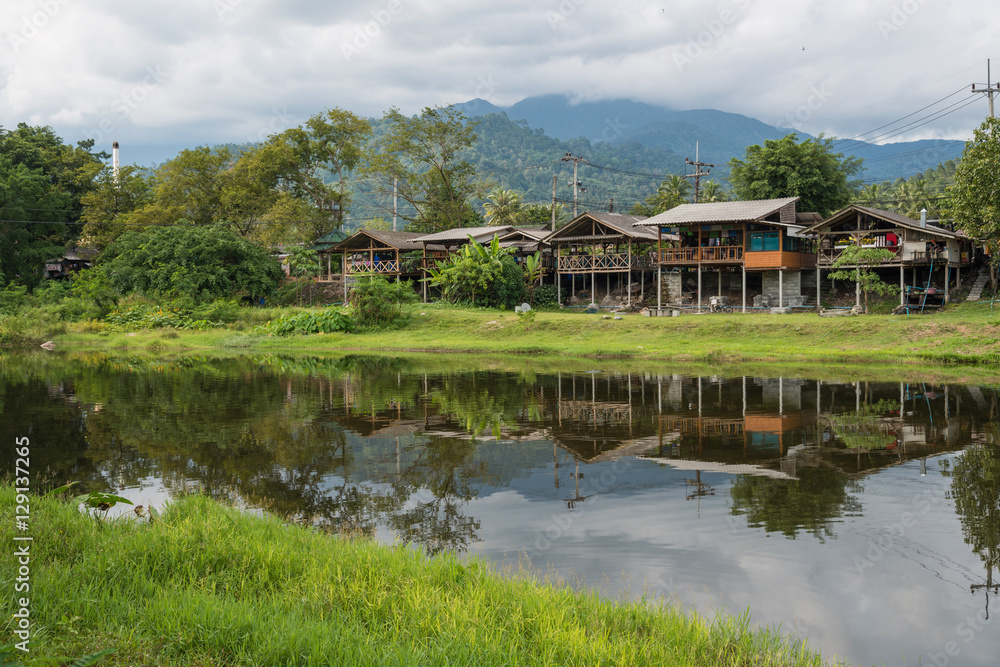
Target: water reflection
677,478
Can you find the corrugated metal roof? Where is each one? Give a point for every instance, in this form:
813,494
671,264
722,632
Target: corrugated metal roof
625,224
462,234
718,212
399,240
888,216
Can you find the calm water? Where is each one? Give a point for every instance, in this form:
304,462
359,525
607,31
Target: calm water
864,516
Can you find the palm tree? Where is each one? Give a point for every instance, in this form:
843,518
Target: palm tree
502,207
712,192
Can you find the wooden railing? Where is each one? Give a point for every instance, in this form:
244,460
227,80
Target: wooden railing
383,266
609,262
688,255
828,256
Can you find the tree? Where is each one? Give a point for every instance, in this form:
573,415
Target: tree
421,160
673,191
712,192
809,170
503,207
975,486
470,271
188,187
108,208
188,260
864,261
976,193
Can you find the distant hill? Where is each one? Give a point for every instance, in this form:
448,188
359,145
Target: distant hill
721,135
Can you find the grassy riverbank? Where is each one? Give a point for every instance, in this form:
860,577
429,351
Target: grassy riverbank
205,584
968,334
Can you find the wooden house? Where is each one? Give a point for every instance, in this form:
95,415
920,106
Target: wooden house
602,243
930,255
387,254
764,238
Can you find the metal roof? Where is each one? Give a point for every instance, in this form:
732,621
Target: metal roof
399,240
888,216
716,212
624,224
462,234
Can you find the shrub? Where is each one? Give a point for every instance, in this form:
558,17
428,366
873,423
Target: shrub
377,303
508,289
331,320
546,296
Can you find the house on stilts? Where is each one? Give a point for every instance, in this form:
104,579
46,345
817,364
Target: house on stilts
738,254
926,260
392,255
605,244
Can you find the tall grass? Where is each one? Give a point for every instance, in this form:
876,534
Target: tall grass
206,584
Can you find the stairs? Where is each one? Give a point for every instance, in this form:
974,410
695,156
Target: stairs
976,292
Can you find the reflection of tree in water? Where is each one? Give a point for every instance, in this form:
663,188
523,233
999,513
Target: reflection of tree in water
435,486
865,428
975,486
810,503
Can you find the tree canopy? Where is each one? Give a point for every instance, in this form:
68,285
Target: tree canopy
976,193
810,170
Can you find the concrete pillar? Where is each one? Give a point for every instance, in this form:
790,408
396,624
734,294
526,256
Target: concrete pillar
699,288
744,288
781,288
902,285
659,287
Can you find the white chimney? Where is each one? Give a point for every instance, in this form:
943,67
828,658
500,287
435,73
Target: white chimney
114,161
923,217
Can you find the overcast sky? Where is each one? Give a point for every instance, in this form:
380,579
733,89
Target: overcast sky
189,72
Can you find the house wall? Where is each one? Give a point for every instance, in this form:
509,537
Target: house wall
766,260
797,287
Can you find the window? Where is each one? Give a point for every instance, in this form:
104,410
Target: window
764,242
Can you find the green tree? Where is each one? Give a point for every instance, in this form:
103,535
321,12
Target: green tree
470,271
188,187
421,160
976,194
503,207
673,191
376,303
108,208
975,486
864,261
188,260
788,168
712,192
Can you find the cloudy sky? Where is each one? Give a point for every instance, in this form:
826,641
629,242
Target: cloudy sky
190,72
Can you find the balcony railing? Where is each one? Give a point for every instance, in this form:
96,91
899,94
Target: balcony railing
382,266
609,262
692,255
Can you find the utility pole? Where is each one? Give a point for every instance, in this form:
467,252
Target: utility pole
576,160
393,203
990,90
555,179
611,206
698,173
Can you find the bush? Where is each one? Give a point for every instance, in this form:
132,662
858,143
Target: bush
376,303
546,296
508,289
331,320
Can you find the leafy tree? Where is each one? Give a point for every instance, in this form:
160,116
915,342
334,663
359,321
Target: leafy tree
533,270
188,260
673,191
376,303
470,271
422,156
788,168
189,187
108,208
976,194
712,192
864,261
328,143
27,201
503,207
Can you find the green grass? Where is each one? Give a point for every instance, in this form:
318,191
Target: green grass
967,334
208,585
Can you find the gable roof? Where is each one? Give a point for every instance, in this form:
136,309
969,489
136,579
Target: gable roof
723,212
462,234
623,226
398,240
887,216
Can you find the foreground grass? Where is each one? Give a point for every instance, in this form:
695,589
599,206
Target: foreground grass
206,584
967,334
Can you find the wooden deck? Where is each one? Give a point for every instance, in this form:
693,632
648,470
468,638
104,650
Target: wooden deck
605,263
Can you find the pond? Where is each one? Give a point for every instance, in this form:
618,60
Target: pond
862,515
